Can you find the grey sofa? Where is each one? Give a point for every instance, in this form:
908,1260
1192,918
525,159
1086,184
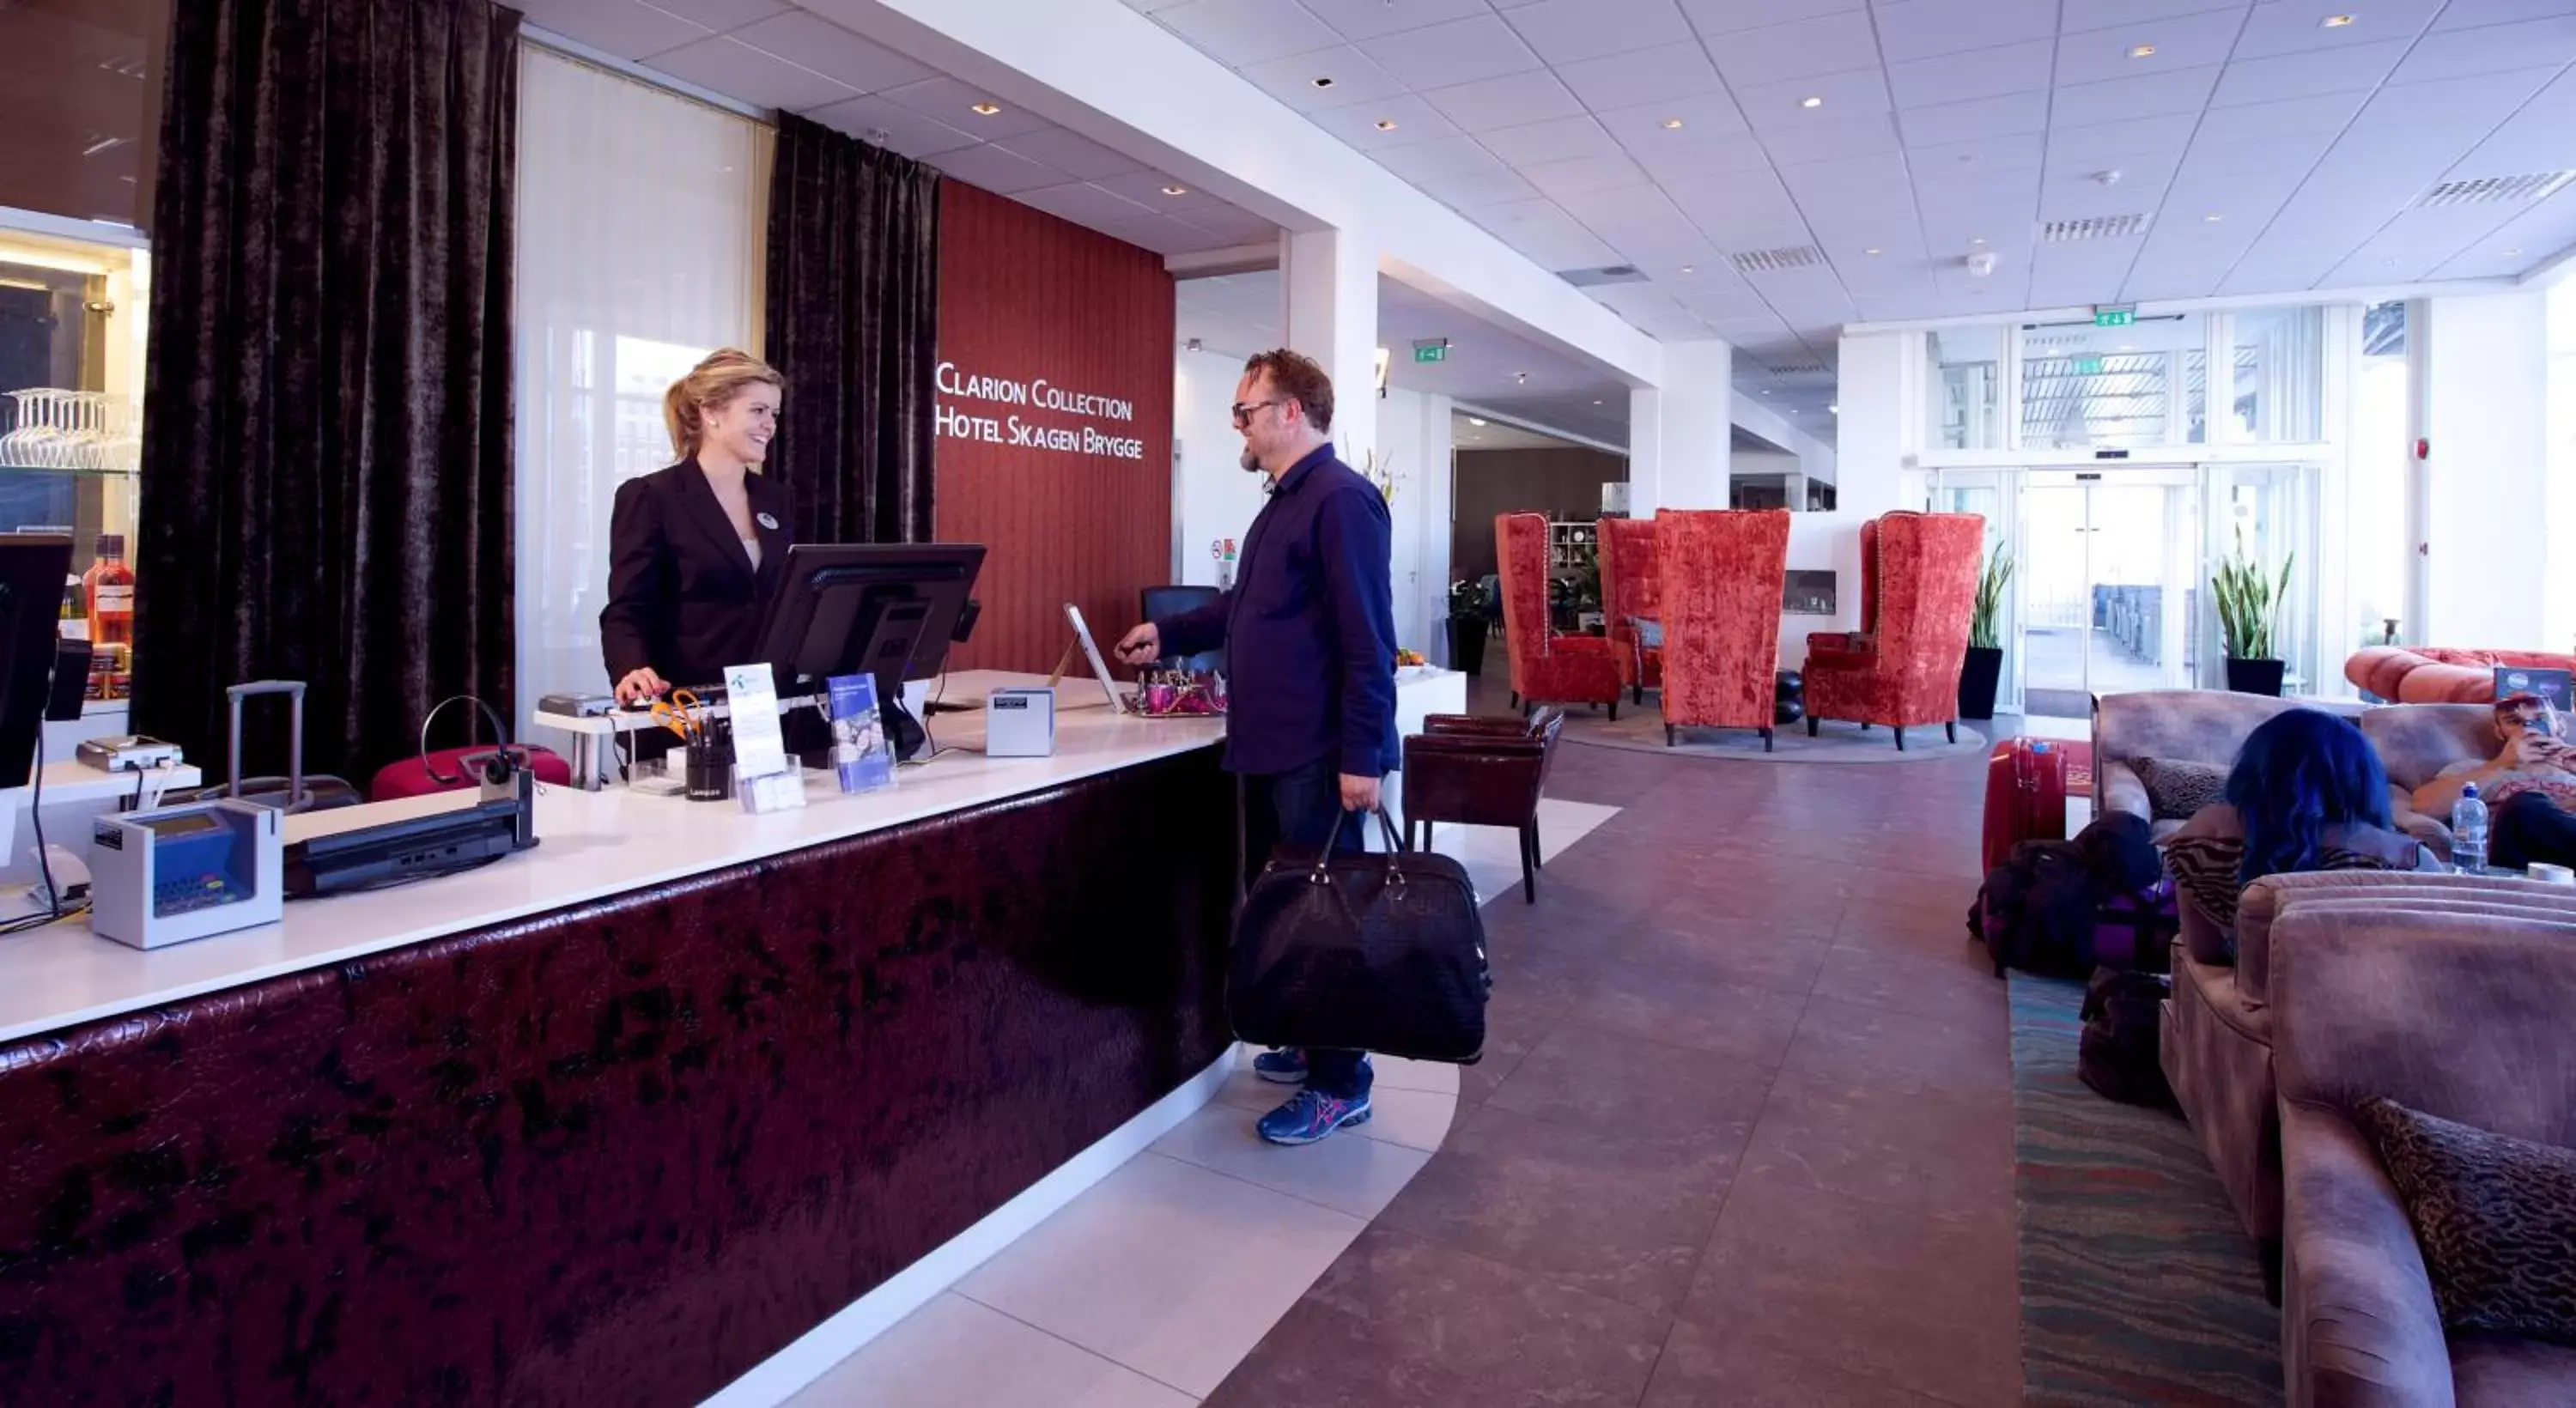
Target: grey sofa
2463,1016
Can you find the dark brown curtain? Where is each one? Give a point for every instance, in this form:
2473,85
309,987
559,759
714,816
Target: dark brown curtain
326,454
854,327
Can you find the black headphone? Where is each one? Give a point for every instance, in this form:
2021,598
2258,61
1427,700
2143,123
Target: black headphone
505,760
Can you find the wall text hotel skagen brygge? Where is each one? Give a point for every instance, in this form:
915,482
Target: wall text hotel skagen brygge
1037,395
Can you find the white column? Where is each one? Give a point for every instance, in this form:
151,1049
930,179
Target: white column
1680,433
1328,290
2488,534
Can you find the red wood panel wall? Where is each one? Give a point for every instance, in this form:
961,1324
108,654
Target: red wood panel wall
1024,295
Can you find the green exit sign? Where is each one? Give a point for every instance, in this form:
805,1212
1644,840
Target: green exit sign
2114,317
2088,366
1433,353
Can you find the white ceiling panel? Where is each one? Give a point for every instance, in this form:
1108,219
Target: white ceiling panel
2325,114
2465,53
1159,234
1083,203
2130,99
1561,140
1799,49
625,28
1782,107
1979,73
893,126
1584,175
1657,75
1544,231
1642,223
1153,190
1832,140
1074,155
2186,41
719,16
810,41
2417,242
996,170
1460,51
1229,225
2299,26
2355,68
1569,31
1923,29
2021,151
1473,188
1702,159
1966,122
1751,212
2469,14
2082,15
1238,32
1367,19
2074,274
732,67
2539,137
1362,124
2510,249
2117,146
1356,79
1508,101
1715,17
953,102
2140,191
1643,129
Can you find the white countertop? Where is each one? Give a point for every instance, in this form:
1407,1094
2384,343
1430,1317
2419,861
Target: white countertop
590,845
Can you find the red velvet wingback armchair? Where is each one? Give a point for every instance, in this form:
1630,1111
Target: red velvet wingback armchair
1546,667
1722,574
1918,588
1632,588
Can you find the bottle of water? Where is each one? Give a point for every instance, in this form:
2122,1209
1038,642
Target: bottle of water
2469,832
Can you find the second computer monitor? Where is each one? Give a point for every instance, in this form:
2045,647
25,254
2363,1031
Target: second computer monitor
886,609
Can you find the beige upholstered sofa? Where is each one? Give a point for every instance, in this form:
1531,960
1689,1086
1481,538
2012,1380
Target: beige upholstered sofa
2179,725
2417,741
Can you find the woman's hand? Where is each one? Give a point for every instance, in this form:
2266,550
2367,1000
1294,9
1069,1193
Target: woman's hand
641,685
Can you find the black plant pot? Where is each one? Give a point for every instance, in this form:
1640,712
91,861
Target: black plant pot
2254,676
1467,644
1978,676
1788,697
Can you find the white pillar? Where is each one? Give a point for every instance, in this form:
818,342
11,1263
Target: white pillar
1681,433
2487,539
1328,290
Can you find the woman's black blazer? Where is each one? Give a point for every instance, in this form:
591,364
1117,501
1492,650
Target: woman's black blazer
682,594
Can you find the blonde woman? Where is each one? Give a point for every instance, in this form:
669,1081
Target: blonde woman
695,551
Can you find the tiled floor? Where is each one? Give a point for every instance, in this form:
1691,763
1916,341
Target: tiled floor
1743,1135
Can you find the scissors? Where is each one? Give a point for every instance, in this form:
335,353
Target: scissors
679,715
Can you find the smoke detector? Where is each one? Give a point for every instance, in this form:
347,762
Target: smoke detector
1981,263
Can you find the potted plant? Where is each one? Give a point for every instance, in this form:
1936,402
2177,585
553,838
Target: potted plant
1985,664
1467,626
2249,610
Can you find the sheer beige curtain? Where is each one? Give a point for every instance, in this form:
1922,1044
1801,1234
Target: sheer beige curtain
643,219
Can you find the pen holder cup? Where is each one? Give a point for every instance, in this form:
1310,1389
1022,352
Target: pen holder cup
710,772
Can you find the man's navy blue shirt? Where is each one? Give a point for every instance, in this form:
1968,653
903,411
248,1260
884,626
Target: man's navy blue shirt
1308,627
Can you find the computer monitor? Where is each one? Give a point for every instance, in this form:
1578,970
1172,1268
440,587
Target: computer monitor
887,609
32,569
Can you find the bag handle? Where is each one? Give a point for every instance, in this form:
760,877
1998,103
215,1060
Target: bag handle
1394,846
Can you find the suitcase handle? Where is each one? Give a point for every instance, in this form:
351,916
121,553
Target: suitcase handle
297,799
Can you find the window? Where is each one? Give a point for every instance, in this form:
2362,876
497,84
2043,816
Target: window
640,244
2376,488
2085,387
1967,389
2279,365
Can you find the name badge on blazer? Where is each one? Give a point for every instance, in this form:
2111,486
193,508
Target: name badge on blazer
766,521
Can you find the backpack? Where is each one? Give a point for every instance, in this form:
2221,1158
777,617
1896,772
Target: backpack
2123,1020
2064,908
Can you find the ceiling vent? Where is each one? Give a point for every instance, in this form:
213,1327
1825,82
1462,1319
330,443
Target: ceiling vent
1798,369
1606,274
2496,190
2093,227
1772,261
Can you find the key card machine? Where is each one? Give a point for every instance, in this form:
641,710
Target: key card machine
172,874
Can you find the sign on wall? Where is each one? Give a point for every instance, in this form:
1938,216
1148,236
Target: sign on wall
963,395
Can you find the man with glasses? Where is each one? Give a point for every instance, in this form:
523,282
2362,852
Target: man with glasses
1309,630
2529,786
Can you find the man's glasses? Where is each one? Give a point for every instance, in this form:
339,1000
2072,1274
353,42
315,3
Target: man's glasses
1244,411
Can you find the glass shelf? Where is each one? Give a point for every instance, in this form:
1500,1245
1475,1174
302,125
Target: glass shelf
8,468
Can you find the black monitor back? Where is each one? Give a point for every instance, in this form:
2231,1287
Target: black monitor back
887,609
32,569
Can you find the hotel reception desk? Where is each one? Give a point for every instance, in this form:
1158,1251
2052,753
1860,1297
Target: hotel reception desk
617,1119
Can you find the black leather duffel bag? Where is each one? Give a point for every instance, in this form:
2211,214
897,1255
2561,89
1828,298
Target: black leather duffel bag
1360,952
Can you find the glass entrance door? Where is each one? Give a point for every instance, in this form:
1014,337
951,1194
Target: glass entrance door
2108,584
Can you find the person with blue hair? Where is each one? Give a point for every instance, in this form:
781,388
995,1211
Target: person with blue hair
2307,792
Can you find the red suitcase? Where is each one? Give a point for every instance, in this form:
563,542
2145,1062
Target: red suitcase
2025,796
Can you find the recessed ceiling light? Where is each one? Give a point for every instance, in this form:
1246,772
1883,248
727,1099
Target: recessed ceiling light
2335,21
1980,239
1176,190
1386,124
1672,124
1833,410
1521,377
1321,82
1872,252
2143,51
1766,391
1811,102
1596,403
1471,420
1690,269
985,109
2213,217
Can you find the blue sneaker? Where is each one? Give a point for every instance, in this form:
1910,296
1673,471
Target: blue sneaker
1310,1116
1286,1066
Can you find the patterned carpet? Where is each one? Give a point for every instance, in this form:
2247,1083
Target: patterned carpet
2136,1284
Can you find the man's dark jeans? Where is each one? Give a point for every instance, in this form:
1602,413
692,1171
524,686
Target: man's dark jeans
2530,827
1298,808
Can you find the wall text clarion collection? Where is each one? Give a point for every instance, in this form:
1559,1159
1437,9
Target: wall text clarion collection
1037,395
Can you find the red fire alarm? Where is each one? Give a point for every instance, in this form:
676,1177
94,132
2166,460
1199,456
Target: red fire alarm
2423,449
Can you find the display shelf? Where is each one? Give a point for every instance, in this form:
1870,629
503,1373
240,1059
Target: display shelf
8,467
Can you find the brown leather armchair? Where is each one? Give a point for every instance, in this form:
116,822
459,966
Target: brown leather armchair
1481,772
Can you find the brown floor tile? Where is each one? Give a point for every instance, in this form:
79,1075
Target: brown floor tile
1614,1216
1748,954
1713,1368
1400,1321
1959,986
1929,929
1846,1041
1928,1303
1945,1153
1704,1106
1726,1018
